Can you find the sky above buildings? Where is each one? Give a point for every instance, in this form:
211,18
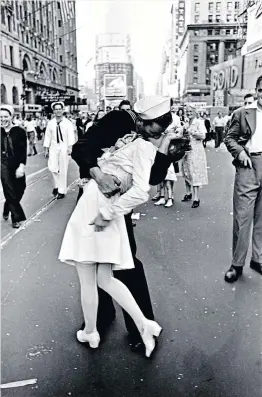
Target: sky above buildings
147,22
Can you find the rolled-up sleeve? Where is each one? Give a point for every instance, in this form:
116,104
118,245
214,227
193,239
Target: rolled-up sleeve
143,159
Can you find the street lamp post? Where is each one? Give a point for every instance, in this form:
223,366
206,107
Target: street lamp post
23,95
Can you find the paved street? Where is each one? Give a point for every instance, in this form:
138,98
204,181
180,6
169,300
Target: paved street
211,343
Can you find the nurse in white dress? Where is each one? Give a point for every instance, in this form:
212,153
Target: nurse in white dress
96,239
58,142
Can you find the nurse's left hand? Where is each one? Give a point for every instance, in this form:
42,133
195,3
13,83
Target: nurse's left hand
99,223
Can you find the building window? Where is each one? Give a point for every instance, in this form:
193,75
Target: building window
15,96
61,58
228,32
59,23
35,42
196,18
17,10
195,47
218,18
211,7
210,32
27,39
60,41
5,52
195,79
14,24
235,31
21,12
11,55
195,69
237,5
218,7
235,17
195,58
2,16
197,7
217,32
228,17
58,5
9,23
229,5
3,94
210,18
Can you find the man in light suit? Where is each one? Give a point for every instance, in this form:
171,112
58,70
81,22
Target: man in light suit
244,142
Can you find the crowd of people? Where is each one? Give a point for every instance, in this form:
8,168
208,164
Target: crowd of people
121,153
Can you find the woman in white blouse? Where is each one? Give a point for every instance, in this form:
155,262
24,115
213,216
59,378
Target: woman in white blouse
96,239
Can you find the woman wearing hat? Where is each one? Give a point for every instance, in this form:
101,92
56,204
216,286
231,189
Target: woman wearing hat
58,142
194,164
13,161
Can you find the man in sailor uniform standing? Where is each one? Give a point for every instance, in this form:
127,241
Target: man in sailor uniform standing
59,139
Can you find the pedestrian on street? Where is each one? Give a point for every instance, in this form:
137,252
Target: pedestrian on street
208,129
244,142
58,142
194,163
181,115
90,122
219,126
30,130
165,191
13,161
40,129
125,105
85,152
249,99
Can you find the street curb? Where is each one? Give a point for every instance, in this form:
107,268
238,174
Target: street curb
10,235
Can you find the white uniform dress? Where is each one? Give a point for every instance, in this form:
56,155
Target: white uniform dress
131,164
58,157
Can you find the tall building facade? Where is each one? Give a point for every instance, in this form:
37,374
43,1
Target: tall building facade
38,53
178,18
114,69
213,34
232,80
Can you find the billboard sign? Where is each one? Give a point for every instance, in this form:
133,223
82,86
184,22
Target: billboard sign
115,85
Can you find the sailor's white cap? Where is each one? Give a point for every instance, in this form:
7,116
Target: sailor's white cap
152,107
57,103
9,108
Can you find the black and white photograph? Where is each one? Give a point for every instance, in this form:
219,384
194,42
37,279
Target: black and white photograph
131,198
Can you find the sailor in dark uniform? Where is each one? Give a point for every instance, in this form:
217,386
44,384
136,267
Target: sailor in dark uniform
13,161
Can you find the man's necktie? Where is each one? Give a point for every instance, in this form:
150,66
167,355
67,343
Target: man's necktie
58,133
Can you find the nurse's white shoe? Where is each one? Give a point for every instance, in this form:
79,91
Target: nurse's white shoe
151,329
93,338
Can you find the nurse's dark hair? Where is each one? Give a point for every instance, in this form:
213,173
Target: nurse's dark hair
259,81
164,121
